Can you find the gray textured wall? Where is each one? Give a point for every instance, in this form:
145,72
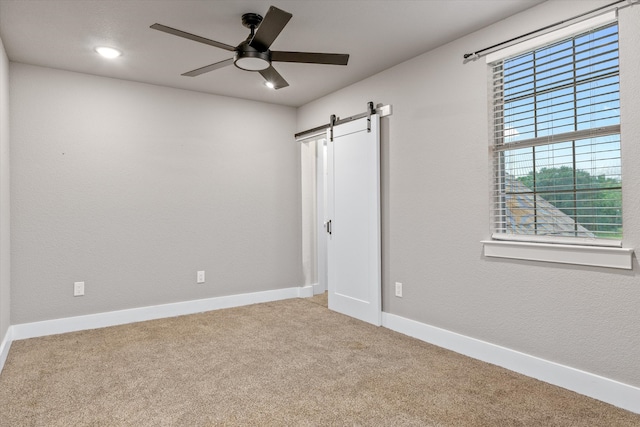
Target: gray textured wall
132,188
5,237
435,211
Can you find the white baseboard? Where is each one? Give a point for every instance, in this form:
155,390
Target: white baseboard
318,289
306,291
5,345
121,317
607,390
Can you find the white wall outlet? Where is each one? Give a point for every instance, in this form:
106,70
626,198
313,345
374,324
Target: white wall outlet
200,278
399,289
78,289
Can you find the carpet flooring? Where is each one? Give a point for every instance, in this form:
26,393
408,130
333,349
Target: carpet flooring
290,363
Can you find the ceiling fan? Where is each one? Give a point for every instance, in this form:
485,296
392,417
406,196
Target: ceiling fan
253,54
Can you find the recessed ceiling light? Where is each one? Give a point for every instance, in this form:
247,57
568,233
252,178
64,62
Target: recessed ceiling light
108,52
270,85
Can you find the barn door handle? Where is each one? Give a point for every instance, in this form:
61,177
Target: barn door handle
328,225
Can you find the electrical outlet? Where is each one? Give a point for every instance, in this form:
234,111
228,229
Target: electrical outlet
200,278
399,289
78,289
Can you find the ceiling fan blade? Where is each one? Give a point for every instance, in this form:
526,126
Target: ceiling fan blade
193,37
310,57
271,75
271,26
208,68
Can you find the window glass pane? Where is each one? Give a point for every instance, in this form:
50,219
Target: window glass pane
518,163
570,186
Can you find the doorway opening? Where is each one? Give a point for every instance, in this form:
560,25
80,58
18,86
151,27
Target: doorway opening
313,164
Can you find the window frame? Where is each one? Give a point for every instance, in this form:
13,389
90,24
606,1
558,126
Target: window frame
571,250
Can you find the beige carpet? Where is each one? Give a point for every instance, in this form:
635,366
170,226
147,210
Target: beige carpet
283,363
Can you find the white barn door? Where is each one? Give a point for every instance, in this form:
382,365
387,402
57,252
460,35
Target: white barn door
353,230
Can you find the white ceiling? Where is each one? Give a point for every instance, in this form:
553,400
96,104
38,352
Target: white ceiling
378,34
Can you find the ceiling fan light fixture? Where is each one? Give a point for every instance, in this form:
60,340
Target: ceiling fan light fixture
252,60
108,52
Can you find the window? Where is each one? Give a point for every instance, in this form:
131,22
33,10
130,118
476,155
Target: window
556,141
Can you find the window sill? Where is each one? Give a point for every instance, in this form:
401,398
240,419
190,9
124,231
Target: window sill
564,254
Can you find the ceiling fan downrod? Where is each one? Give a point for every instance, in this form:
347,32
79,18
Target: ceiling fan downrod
251,21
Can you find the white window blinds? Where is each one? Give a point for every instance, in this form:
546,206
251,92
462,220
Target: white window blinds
556,140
